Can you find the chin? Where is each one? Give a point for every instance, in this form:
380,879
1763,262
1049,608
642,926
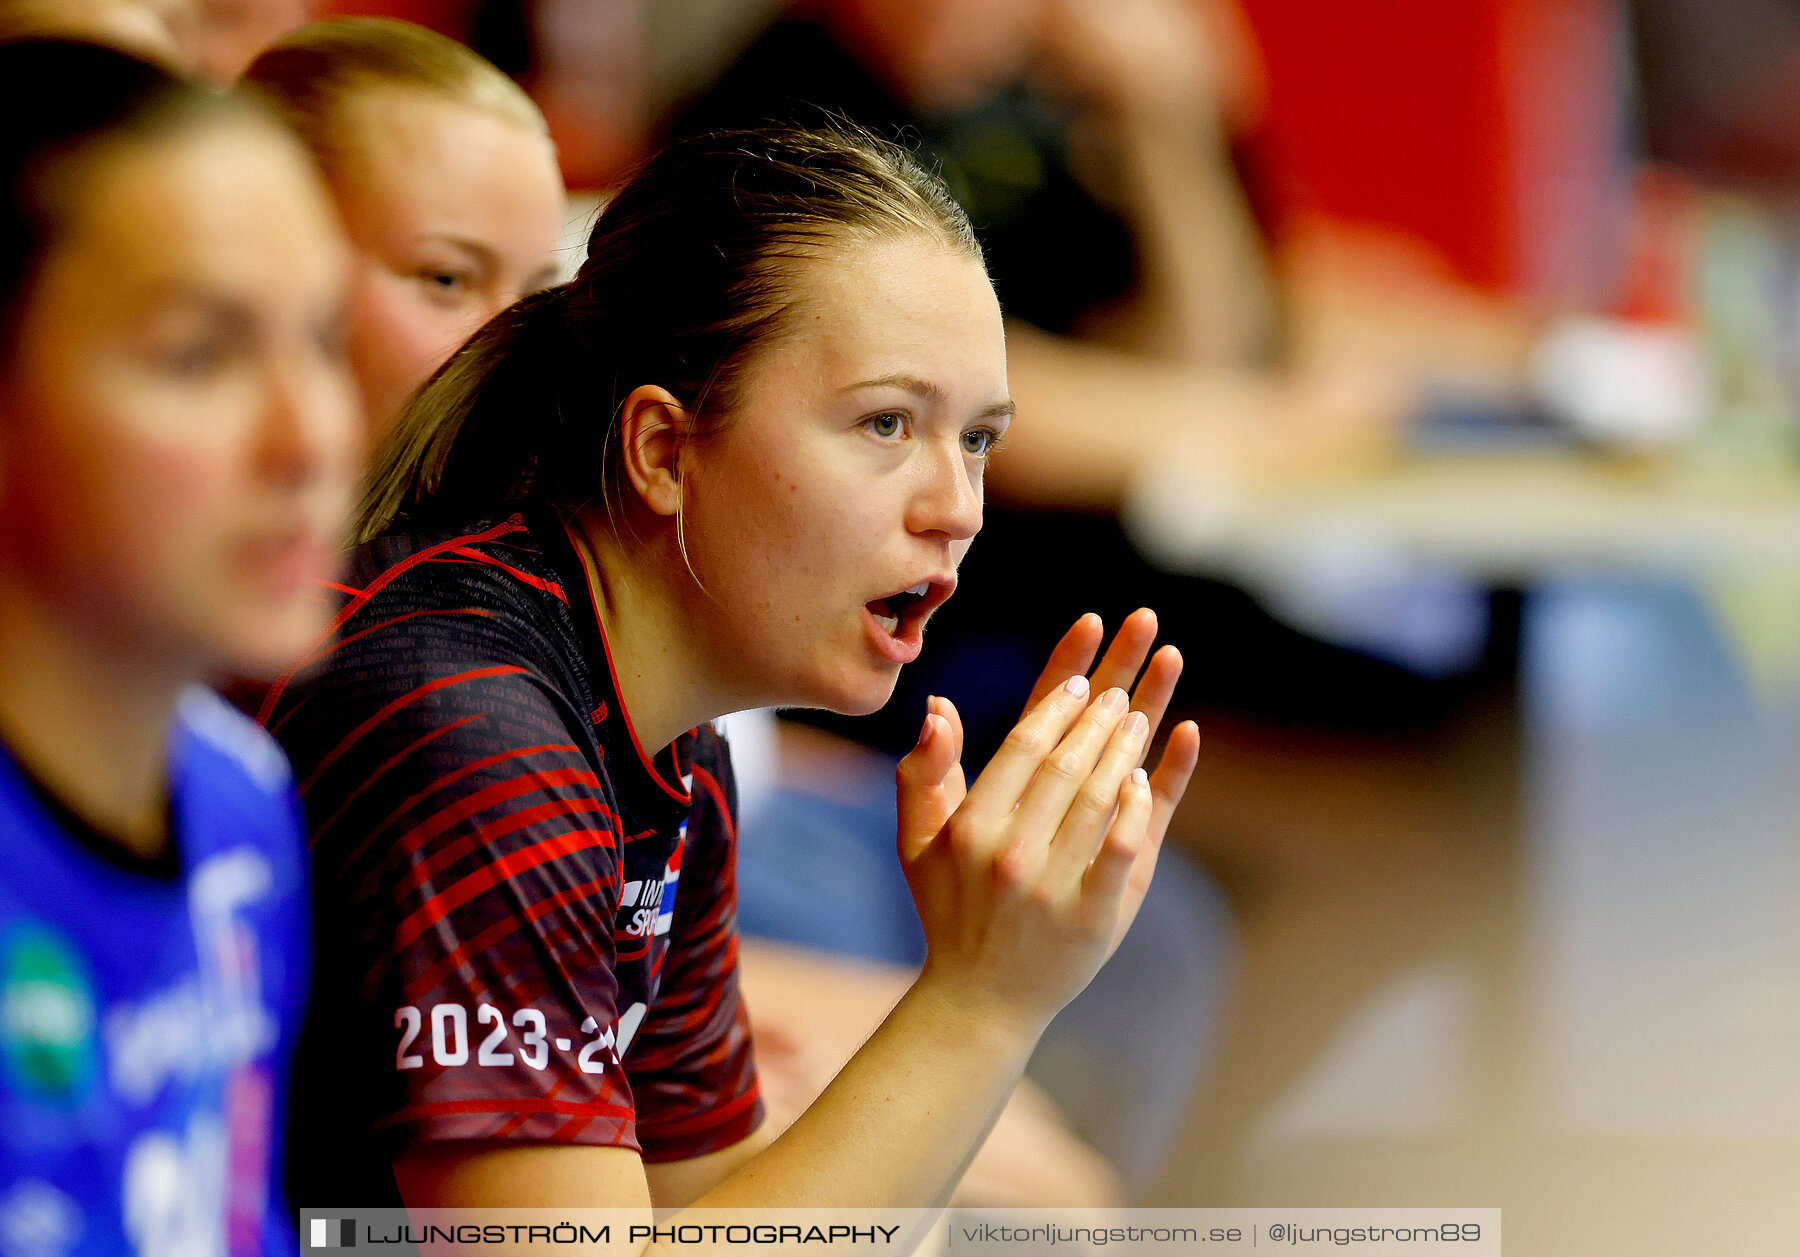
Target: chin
855,696
264,651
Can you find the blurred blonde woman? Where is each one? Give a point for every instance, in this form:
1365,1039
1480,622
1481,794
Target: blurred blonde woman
444,175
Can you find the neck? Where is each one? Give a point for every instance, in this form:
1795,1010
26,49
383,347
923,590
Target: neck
661,669
86,723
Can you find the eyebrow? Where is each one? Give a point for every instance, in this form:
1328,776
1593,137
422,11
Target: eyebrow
480,252
931,393
542,277
177,294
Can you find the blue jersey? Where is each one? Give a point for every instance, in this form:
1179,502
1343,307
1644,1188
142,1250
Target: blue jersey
146,1021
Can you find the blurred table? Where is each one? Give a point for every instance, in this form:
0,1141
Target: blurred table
1499,517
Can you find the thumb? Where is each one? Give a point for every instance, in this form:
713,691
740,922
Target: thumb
928,786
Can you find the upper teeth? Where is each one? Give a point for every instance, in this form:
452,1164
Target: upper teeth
921,589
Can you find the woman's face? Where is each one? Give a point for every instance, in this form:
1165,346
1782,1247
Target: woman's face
851,472
453,214
178,434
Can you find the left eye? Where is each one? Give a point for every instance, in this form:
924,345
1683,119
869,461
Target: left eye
978,441
885,425
446,288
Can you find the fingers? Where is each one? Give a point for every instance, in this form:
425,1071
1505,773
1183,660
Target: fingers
1003,782
1070,770
1085,823
952,789
1170,780
1156,689
928,783
1076,651
1126,654
1126,862
1126,839
1073,655
945,708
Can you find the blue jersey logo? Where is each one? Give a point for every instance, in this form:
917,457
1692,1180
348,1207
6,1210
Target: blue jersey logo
47,1015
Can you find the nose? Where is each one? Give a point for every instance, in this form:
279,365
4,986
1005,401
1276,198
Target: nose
948,501
309,423
493,305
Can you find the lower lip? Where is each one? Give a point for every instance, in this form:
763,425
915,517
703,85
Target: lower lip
288,567
899,650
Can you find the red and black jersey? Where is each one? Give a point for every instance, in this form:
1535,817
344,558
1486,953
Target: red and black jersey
527,926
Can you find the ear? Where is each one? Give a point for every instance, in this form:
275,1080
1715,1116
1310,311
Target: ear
653,428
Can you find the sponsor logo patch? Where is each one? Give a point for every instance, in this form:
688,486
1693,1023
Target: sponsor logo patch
47,1014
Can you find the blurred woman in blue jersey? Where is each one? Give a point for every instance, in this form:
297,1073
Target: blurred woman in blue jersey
178,437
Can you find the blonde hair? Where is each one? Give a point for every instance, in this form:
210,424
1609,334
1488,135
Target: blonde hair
312,75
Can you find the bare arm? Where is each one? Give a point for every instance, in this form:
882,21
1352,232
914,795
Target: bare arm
812,1010
1148,72
1098,417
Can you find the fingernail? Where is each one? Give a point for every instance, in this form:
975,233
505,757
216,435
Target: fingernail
1077,685
1113,699
1141,777
1136,724
926,732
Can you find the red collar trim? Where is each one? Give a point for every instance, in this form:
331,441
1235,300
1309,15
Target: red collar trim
681,796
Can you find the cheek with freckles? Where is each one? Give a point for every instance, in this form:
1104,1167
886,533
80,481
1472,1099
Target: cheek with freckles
786,552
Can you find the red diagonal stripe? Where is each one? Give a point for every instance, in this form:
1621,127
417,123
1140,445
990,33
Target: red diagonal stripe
375,776
428,981
448,779
460,892
448,854
512,523
499,792
550,587
430,687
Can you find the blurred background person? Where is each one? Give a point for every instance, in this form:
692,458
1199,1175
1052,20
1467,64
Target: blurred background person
443,172
178,446
1095,135
215,39
163,31
228,34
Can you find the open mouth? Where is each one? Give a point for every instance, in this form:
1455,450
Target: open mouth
903,613
889,611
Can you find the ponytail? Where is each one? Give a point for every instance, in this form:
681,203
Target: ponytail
479,429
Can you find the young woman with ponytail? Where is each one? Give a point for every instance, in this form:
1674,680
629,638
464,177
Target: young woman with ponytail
734,463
